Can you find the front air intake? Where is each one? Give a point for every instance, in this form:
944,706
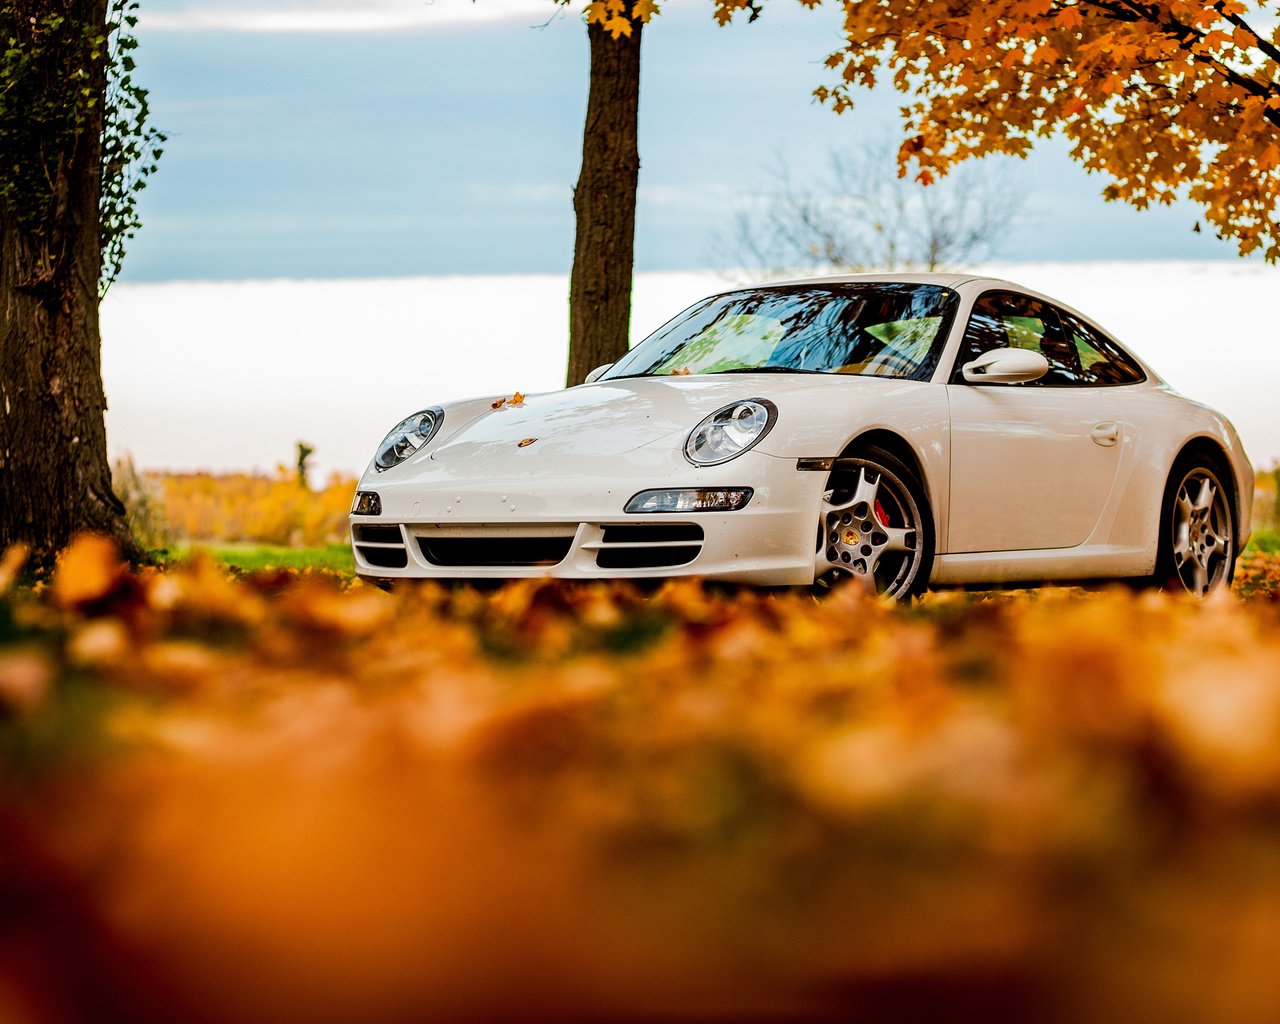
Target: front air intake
381,546
642,546
380,534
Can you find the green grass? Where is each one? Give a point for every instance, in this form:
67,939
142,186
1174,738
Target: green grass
336,557
1264,540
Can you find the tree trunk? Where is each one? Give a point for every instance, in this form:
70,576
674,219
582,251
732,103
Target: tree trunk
55,480
605,204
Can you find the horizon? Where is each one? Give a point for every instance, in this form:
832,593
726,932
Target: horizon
337,363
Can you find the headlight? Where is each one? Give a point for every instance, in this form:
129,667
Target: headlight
730,431
691,499
407,437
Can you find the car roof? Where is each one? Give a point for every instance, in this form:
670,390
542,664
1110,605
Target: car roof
946,280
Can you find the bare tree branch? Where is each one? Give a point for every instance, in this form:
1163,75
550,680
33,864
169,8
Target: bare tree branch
862,216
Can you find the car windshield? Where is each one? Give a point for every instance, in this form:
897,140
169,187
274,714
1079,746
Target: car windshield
871,329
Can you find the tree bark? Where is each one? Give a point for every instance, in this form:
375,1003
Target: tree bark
605,204
55,480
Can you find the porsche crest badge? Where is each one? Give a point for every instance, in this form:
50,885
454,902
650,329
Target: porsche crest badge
526,442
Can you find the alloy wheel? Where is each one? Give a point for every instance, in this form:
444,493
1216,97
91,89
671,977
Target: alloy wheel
1203,532
870,529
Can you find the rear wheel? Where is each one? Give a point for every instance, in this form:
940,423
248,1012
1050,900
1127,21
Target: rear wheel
875,525
1197,549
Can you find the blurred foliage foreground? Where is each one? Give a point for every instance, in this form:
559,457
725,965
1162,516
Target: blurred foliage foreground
276,799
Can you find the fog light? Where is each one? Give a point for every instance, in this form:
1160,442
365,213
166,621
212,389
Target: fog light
367,503
692,499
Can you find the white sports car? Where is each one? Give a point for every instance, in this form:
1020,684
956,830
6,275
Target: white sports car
912,429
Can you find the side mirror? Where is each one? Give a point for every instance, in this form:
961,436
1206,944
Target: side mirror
597,373
1006,366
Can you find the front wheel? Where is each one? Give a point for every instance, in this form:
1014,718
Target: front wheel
1197,529
875,524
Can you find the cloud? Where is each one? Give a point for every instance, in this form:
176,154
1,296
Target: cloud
346,15
716,194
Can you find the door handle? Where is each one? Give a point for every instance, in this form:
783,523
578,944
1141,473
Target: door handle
1105,434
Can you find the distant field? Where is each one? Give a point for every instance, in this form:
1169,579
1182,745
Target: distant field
335,557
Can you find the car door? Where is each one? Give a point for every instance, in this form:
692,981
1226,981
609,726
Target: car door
1032,464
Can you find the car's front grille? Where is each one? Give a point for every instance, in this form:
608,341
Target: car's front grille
382,546
649,546
495,545
494,551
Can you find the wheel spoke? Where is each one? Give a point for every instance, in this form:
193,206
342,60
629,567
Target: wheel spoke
866,491
1200,577
836,506
1204,500
901,538
1182,543
1185,511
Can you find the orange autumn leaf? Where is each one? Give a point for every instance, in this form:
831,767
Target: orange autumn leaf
615,17
86,570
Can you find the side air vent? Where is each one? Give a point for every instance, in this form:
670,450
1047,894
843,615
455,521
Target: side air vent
382,546
649,547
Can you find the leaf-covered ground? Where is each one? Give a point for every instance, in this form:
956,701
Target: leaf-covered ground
287,797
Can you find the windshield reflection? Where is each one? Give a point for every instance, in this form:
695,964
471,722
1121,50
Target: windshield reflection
882,329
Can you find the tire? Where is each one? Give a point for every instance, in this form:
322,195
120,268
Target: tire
1198,541
875,522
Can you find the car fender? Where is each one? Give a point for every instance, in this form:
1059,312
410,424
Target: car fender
822,422
1159,423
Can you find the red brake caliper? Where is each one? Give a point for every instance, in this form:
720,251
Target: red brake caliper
880,514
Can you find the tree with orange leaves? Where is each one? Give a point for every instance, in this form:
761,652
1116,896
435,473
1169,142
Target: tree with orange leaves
1169,98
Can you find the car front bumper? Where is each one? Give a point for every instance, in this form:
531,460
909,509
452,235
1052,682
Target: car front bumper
769,542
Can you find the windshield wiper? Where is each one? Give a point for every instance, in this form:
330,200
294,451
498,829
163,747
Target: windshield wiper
768,369
736,369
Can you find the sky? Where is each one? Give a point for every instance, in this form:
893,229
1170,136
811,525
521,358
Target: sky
394,138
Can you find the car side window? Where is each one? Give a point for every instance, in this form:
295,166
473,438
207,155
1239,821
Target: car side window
1103,361
1010,320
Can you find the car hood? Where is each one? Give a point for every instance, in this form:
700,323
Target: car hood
608,417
